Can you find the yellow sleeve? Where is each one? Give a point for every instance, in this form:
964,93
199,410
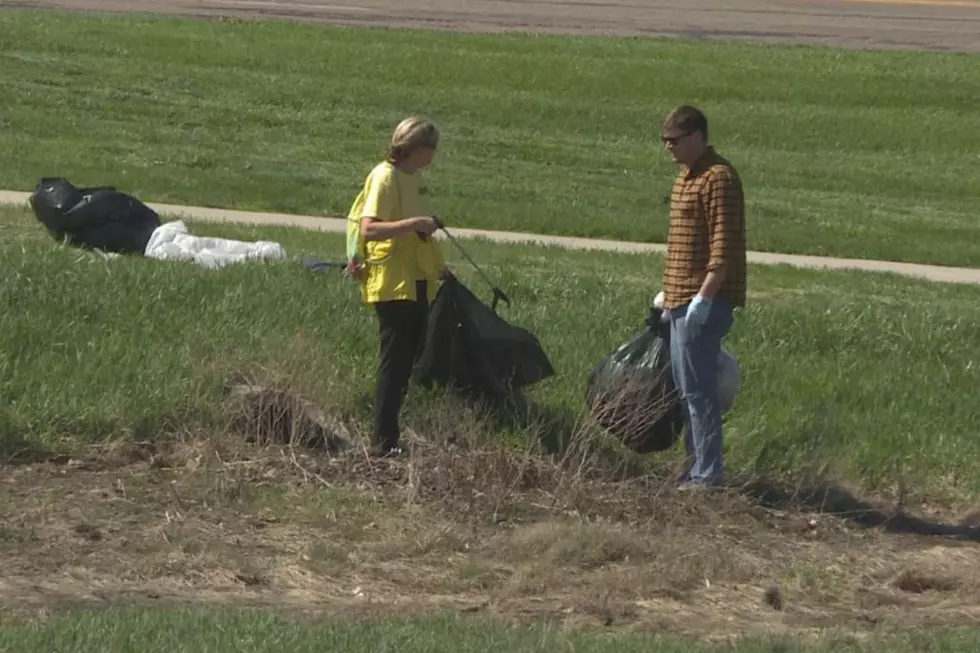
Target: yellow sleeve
380,195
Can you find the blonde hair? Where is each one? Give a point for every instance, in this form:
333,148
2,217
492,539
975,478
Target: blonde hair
411,134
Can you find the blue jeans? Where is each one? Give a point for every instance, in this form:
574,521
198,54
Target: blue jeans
694,361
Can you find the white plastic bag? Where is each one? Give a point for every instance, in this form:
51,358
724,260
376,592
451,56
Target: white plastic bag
171,241
729,380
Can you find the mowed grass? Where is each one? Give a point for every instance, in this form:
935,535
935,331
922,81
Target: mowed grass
227,631
848,153
866,376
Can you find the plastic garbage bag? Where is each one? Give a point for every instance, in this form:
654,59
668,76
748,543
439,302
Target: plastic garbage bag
729,380
470,348
172,241
631,392
93,218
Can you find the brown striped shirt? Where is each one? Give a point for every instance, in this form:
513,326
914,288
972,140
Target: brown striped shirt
707,231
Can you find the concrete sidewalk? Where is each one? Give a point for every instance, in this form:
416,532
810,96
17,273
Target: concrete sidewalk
930,272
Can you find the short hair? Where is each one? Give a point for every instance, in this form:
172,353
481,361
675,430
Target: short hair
411,134
688,119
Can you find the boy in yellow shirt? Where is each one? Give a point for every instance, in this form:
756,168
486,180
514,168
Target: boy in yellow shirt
390,250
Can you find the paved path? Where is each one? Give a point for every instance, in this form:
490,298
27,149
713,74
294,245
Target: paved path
921,24
337,225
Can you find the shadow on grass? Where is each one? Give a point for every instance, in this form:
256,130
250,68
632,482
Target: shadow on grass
834,500
15,449
554,429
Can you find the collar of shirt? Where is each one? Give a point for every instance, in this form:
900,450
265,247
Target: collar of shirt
707,159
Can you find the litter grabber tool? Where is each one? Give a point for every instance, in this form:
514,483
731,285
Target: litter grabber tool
498,294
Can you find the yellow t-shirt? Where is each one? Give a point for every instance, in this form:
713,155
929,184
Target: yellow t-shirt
393,265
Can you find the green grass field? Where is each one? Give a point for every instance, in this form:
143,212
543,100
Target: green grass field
847,153
868,376
188,630
864,379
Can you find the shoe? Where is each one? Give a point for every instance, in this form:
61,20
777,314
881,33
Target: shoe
386,451
689,487
682,473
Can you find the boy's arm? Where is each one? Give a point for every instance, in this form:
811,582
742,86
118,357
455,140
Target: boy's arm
379,209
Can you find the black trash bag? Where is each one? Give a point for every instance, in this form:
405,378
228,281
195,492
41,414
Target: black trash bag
631,391
474,351
93,218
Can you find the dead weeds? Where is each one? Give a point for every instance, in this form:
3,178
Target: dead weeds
585,536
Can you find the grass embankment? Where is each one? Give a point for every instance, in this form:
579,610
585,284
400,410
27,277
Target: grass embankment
226,632
865,376
848,153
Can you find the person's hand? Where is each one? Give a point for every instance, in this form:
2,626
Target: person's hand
355,269
426,225
697,315
445,273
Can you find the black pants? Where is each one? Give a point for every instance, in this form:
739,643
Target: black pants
401,326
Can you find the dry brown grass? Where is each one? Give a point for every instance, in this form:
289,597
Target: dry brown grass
588,535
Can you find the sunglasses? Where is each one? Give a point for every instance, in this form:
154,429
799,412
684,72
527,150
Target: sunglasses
672,140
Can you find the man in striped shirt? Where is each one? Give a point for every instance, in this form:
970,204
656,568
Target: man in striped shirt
703,282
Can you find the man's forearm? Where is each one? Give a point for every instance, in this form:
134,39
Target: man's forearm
712,282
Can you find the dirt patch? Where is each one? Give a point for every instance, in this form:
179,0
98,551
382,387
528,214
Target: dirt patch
477,531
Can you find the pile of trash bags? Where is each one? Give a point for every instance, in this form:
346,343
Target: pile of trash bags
631,392
103,218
